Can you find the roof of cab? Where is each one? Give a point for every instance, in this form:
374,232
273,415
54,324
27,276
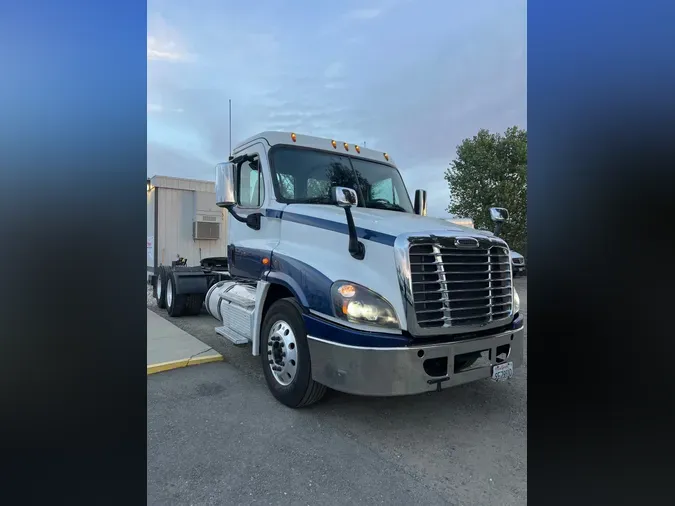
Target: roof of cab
273,138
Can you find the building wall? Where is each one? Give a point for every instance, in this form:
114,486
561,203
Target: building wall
150,227
176,213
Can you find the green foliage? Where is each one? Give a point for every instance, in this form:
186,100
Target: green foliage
491,171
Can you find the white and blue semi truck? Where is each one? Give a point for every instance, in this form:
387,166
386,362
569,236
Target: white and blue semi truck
337,280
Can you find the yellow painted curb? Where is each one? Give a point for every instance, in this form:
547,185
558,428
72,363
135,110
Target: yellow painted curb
177,364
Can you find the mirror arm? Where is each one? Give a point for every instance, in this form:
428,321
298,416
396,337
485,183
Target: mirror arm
237,160
233,213
498,228
356,247
345,198
251,220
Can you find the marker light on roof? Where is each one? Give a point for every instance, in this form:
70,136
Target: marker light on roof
358,149
386,156
346,147
334,144
293,137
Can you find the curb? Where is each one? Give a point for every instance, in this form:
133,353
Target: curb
177,364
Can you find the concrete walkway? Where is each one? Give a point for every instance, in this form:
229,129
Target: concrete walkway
170,347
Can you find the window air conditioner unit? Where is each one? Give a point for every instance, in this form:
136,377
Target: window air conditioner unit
204,230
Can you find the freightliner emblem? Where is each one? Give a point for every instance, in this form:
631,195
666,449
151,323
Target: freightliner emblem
466,242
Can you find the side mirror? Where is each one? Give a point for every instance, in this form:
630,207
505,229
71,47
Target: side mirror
225,194
499,215
345,197
421,202
225,184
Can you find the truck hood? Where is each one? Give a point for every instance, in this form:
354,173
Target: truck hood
380,220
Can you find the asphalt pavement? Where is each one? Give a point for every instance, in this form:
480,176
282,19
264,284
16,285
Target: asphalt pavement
216,436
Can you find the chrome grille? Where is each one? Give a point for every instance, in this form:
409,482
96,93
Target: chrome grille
458,287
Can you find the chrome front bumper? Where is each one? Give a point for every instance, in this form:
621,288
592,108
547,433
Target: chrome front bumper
401,371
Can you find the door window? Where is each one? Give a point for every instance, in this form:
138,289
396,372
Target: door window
250,184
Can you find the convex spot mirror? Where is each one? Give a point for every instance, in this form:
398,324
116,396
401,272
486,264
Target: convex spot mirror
499,214
345,197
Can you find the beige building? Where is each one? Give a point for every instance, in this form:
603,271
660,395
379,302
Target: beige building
183,220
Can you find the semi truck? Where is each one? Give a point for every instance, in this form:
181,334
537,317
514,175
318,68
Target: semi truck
337,280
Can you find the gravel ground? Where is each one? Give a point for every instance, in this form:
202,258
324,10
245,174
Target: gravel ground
216,436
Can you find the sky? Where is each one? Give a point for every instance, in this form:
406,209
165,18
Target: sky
412,78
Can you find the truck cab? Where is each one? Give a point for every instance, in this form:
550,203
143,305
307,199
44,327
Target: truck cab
338,280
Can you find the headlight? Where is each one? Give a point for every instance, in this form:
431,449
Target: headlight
356,304
516,301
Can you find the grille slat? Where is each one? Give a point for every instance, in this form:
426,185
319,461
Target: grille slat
454,287
451,281
443,264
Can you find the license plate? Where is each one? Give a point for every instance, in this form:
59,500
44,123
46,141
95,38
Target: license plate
502,372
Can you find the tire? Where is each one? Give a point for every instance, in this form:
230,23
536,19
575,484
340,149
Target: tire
193,304
301,390
175,304
160,287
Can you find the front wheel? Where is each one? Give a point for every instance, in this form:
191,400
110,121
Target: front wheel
285,356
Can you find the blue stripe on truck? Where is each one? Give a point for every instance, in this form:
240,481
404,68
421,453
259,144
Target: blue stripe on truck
310,286
333,226
318,327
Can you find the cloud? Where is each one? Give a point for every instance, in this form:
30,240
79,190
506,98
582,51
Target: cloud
415,101
334,70
334,86
364,13
157,55
158,108
167,161
164,42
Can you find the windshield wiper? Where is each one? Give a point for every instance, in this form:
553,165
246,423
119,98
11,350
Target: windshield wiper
378,204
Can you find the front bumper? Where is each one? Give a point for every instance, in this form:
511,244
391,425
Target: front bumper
401,370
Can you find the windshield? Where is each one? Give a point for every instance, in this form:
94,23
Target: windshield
306,176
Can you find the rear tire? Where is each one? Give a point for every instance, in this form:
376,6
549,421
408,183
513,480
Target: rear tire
160,287
193,304
175,304
285,317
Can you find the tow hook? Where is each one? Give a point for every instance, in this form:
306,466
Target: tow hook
438,381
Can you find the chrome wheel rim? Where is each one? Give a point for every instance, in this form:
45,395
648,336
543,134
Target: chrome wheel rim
169,292
282,353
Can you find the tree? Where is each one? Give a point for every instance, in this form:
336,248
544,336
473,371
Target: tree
491,171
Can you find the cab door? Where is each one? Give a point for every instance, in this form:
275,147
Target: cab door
248,247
